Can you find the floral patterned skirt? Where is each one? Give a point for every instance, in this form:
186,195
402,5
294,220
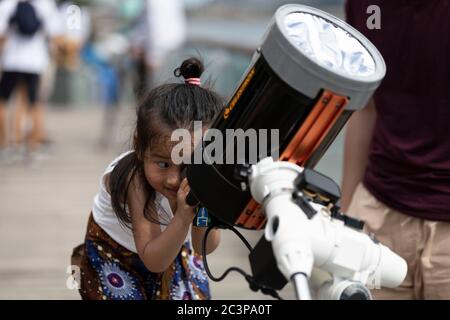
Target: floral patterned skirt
108,271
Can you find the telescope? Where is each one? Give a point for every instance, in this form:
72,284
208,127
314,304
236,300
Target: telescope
310,73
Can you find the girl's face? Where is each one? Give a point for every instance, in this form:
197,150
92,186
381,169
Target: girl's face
161,173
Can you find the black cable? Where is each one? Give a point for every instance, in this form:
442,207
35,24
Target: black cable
251,281
236,232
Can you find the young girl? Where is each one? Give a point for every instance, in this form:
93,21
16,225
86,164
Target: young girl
140,242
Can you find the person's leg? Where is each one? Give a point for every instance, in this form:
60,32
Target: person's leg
20,115
35,111
399,232
2,124
110,80
139,77
37,118
7,83
435,260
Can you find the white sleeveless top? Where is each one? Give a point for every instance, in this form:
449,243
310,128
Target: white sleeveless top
105,217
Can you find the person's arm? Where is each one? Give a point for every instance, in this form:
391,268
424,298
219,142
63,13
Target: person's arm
4,17
56,46
356,150
2,35
6,8
2,41
158,249
197,237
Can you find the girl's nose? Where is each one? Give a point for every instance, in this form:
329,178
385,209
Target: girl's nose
173,180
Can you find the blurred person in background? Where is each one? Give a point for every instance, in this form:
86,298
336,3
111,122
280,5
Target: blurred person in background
397,149
137,36
105,57
26,29
157,29
165,25
135,14
64,52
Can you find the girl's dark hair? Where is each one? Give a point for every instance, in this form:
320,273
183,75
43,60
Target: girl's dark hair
166,107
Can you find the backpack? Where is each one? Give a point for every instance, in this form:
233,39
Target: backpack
26,19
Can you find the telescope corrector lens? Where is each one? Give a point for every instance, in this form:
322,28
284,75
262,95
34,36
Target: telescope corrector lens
328,45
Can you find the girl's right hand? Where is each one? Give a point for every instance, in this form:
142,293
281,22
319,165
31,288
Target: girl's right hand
183,209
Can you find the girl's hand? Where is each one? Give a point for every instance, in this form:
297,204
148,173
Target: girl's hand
183,209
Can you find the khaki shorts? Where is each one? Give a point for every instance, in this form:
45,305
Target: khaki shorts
424,244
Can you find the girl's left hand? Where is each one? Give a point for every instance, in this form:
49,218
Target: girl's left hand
183,209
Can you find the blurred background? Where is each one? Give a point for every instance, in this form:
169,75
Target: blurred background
104,53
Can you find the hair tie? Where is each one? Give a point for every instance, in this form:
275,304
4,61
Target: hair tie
193,81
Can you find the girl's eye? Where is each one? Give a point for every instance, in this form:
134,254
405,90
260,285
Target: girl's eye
162,165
